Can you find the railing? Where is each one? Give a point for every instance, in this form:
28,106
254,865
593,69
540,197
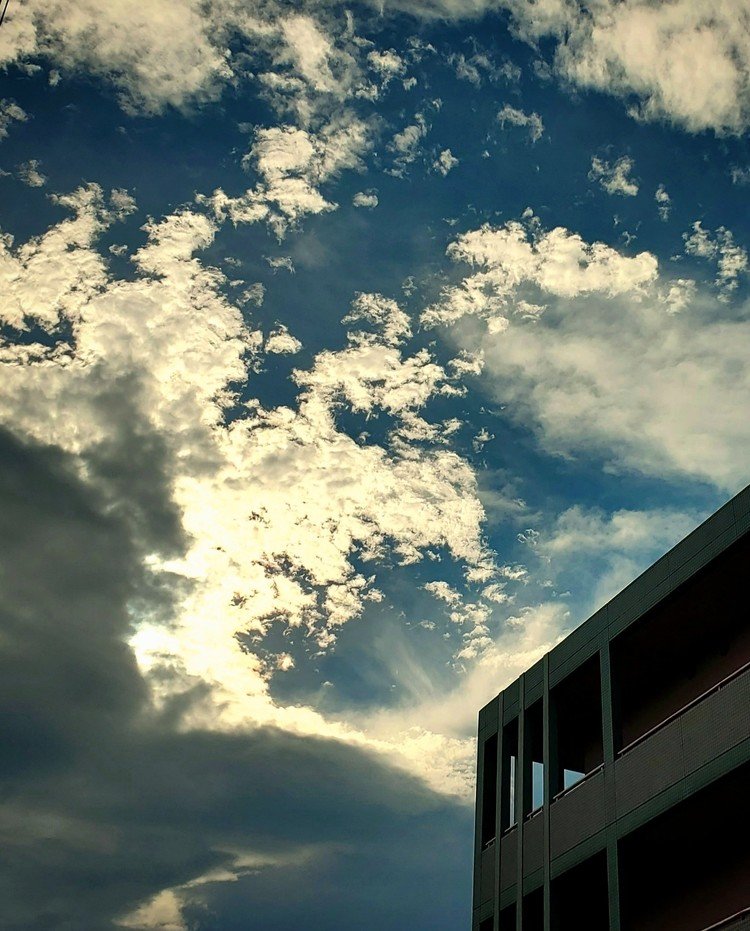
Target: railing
676,714
587,776
533,813
727,922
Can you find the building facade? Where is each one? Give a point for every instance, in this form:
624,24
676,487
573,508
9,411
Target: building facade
613,776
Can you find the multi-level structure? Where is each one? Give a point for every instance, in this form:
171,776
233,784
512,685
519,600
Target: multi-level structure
613,786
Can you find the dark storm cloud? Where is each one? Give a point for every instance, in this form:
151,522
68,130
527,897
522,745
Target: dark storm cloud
105,802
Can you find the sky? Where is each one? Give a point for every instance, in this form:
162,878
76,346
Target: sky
352,354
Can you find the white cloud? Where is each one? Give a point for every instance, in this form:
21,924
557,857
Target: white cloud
584,531
559,263
158,54
615,179
365,199
610,368
405,145
739,175
254,294
161,913
311,50
604,552
281,342
383,313
277,262
684,61
480,65
29,173
388,64
442,590
531,121
720,248
291,163
663,201
281,508
10,112
444,162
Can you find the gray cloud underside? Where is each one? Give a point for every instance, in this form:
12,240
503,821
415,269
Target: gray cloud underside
106,800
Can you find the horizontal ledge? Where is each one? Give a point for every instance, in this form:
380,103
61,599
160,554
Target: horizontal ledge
724,923
676,714
584,778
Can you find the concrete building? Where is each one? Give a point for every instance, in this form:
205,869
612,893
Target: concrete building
613,787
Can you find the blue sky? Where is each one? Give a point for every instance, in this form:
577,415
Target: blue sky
352,355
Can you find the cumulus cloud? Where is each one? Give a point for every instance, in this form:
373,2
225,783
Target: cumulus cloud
281,342
614,178
280,510
177,54
157,54
681,61
388,64
610,367
475,68
721,249
29,173
445,162
291,164
663,202
559,263
530,121
254,294
405,145
684,62
365,199
277,262
10,112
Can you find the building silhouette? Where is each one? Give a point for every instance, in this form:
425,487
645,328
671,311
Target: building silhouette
613,787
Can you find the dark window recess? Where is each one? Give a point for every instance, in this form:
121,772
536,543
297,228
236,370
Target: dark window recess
579,897
683,646
689,868
488,924
489,789
576,725
508,788
533,770
533,910
508,918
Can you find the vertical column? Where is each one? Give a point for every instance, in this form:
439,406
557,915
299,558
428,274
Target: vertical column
478,816
608,704
523,784
549,737
609,717
498,809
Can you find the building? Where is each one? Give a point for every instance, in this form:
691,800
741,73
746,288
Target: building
613,786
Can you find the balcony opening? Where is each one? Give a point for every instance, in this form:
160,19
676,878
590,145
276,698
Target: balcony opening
489,790
533,910
488,924
576,715
508,918
508,788
579,897
533,758
683,646
689,868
